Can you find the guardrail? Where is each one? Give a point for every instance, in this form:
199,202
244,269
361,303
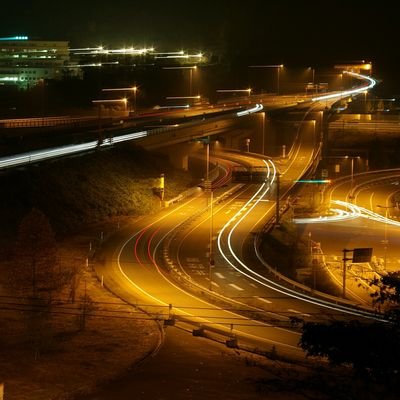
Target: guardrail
49,122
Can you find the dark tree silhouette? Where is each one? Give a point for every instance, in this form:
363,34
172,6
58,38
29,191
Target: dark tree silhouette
387,295
37,277
373,350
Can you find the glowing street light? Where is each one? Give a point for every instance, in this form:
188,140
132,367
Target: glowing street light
133,89
313,74
100,102
110,101
385,241
248,145
234,90
191,69
351,158
351,196
278,71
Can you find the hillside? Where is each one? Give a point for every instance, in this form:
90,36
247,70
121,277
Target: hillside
74,192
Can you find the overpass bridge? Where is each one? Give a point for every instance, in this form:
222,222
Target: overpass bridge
206,125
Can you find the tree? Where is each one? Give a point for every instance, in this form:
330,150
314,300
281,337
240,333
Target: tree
387,295
37,272
37,276
373,350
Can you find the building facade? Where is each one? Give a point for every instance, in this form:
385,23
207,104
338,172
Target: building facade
25,63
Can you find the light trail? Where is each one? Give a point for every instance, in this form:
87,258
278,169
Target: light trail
46,154
347,93
256,108
264,281
341,215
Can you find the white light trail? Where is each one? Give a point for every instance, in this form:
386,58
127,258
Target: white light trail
341,215
346,93
42,155
256,108
264,281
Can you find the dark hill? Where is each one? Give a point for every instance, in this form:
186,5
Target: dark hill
76,191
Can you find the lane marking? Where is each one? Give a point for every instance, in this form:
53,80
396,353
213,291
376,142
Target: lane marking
236,287
220,275
298,312
264,300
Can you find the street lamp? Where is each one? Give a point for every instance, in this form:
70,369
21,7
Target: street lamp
352,174
191,69
248,145
100,102
278,71
385,242
263,132
133,89
312,74
208,188
248,91
211,261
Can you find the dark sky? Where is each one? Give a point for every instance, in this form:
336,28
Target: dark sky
303,32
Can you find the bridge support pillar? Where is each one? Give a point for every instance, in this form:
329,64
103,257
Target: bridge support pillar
179,154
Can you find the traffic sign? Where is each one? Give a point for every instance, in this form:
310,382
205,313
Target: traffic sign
207,185
362,255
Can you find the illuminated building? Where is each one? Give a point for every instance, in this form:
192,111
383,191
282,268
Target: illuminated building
25,62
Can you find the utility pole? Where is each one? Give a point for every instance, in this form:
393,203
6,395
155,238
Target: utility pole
211,262
277,198
345,259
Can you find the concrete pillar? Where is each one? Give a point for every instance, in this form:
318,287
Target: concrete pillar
179,154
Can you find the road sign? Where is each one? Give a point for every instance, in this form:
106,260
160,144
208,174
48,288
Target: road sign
362,255
249,174
207,185
324,173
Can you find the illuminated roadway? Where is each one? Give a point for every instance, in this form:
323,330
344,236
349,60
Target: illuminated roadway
135,272
149,267
362,214
136,134
137,264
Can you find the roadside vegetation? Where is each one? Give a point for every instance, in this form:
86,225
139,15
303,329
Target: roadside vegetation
87,189
370,350
61,331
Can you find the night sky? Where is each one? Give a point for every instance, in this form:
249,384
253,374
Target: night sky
301,32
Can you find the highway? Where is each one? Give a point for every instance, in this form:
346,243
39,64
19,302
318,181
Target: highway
168,275
137,131
150,264
362,214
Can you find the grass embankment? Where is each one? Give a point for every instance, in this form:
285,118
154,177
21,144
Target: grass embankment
78,191
287,249
74,193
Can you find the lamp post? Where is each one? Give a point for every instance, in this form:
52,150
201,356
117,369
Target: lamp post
263,132
211,261
278,72
351,196
385,241
248,145
248,91
133,89
312,74
191,69
351,158
99,103
278,183
208,188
